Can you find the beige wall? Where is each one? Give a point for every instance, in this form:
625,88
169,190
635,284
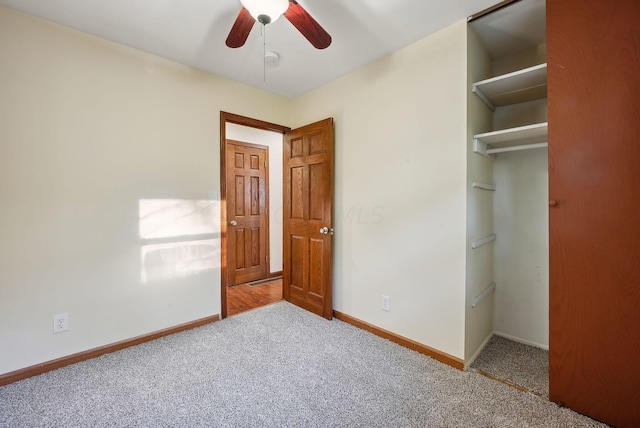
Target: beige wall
104,152
401,188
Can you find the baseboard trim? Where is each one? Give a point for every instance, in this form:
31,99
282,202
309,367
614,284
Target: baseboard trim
523,341
274,274
402,341
47,366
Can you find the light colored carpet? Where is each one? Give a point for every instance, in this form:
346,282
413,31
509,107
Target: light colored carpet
516,363
277,366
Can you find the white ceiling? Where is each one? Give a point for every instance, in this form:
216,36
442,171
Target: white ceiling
193,32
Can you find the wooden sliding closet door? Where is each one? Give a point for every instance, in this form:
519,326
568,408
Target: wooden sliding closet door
593,55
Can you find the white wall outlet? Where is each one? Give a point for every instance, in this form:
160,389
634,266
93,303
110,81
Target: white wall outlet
60,323
385,303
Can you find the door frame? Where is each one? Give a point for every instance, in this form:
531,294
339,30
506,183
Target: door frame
225,118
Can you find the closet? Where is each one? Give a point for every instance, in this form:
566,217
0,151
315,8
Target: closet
516,96
508,177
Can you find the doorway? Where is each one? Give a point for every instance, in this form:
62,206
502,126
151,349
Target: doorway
251,243
306,214
248,296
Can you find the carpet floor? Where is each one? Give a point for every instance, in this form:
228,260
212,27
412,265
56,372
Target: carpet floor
277,366
516,363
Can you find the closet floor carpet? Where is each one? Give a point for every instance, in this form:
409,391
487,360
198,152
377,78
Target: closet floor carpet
521,365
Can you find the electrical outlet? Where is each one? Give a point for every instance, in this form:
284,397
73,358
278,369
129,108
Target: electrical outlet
60,323
386,303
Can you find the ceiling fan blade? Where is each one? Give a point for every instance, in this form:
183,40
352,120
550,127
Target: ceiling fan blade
308,26
241,29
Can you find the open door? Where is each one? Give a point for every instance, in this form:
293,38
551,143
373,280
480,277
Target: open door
308,217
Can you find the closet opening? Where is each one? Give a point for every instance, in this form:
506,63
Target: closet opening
508,269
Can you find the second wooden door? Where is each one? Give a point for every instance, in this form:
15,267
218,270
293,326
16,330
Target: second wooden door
247,211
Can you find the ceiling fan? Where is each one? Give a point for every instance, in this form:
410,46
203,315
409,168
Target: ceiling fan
267,11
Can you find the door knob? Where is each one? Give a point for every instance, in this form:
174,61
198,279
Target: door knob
326,231
233,222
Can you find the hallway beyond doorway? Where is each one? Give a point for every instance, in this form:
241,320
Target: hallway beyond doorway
244,297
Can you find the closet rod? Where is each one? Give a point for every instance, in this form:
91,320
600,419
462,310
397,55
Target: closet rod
483,241
491,9
483,294
517,148
484,186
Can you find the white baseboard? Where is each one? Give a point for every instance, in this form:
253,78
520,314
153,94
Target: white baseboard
523,341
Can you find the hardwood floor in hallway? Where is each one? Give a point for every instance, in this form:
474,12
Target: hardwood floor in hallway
244,297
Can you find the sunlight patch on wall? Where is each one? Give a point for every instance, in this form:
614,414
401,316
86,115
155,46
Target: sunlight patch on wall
178,260
180,237
167,218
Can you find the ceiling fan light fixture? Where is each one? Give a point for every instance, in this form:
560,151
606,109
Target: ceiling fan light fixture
266,11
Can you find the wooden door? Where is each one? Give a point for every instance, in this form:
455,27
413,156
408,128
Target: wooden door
593,55
247,211
308,217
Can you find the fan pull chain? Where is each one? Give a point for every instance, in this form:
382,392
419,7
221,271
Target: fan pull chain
264,52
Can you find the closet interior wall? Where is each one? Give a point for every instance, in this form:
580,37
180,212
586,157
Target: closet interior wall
521,220
479,261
